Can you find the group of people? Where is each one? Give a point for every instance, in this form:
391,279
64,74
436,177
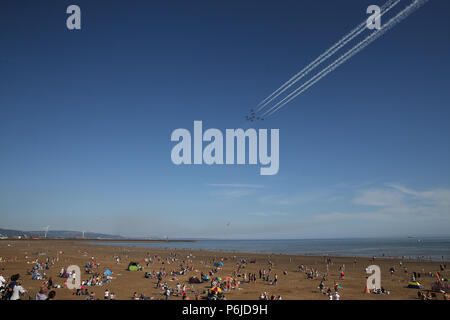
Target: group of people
13,290
265,296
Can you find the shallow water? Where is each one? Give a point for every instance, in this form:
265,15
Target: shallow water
434,249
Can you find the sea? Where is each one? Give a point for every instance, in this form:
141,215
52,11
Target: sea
434,249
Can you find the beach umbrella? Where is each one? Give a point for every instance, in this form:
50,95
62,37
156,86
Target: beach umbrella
216,289
217,279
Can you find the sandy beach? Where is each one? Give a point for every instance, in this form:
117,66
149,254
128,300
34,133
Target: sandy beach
19,256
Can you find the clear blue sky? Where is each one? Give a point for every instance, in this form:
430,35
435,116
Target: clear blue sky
86,118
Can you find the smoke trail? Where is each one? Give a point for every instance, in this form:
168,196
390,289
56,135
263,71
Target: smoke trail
324,56
360,46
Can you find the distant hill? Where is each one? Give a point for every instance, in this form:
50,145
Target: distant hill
57,234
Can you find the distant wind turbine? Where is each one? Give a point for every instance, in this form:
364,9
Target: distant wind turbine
46,231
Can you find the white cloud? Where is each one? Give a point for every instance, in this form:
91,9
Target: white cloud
271,214
234,190
236,185
297,199
379,198
341,216
396,201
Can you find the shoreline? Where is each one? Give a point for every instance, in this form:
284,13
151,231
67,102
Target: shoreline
224,251
131,242
98,240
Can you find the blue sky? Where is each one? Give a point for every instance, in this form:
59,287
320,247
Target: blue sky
86,118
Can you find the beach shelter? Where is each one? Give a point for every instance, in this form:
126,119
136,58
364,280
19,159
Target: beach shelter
108,272
133,266
414,285
205,277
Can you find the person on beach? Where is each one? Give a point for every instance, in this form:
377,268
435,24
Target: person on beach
18,290
50,283
74,277
321,286
106,294
167,294
2,281
51,295
12,283
91,296
41,295
392,271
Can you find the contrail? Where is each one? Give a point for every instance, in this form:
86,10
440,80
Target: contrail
324,56
360,46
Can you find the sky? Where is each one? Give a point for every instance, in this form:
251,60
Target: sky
86,118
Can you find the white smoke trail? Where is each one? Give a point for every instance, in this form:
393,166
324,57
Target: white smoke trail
360,46
324,56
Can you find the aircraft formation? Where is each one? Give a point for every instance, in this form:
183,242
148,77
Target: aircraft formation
252,117
304,80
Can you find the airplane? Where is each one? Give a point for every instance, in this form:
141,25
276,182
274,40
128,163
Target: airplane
252,117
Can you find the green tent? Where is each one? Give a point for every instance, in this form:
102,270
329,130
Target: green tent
133,266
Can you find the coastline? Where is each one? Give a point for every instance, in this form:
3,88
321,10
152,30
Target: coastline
264,247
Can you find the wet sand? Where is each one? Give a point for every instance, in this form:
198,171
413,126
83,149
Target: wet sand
17,256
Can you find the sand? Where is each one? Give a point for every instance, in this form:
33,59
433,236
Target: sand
17,256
